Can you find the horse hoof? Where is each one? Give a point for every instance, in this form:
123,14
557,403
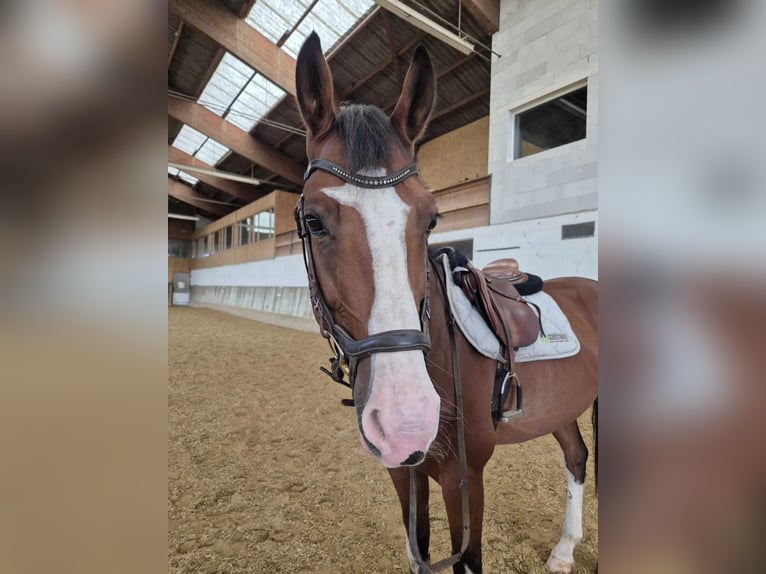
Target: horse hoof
557,565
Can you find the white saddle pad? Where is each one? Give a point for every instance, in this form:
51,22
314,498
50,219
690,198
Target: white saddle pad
560,340
469,320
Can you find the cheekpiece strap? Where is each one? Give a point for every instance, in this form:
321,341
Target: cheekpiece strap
367,181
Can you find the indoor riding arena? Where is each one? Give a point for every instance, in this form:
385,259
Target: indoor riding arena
267,471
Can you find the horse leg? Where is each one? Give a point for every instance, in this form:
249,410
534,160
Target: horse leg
401,478
575,454
470,563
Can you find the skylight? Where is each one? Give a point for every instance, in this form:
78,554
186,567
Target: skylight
225,84
331,19
199,145
238,93
182,175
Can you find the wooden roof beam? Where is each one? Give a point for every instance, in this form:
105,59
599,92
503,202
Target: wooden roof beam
460,104
176,38
485,12
237,36
203,120
194,198
236,189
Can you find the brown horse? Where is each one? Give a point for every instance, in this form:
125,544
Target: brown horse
365,223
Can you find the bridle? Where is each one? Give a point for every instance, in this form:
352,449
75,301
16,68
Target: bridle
347,351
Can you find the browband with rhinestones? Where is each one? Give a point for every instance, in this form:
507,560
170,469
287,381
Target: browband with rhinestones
368,181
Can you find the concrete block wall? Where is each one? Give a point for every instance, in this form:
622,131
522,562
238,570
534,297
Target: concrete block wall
546,46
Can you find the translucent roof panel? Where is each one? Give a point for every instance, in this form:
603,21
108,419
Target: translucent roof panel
225,84
258,97
331,19
199,145
189,140
183,175
211,151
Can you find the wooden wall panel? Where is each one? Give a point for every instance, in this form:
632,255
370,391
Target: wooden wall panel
180,229
284,211
464,218
288,244
456,156
257,251
177,264
467,194
464,205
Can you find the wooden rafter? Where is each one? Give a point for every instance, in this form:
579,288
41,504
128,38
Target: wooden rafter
394,54
236,189
381,67
236,36
188,195
451,68
486,13
460,104
203,120
176,38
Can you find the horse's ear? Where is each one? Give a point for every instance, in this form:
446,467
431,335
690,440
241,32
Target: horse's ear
313,86
417,99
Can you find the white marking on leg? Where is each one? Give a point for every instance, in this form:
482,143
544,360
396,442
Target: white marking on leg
562,555
467,569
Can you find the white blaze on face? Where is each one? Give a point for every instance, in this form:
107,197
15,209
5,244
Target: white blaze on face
402,394
385,217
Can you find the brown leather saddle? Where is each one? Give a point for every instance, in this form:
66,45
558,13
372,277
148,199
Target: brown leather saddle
493,291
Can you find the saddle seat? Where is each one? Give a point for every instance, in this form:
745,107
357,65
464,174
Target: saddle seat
505,270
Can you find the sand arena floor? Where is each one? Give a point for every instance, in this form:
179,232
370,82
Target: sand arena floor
266,473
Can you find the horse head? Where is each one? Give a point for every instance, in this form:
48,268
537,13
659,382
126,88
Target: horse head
366,223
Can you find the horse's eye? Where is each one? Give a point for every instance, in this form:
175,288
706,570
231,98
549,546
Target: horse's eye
314,225
431,225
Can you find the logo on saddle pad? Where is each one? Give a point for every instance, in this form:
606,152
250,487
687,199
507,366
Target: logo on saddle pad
556,338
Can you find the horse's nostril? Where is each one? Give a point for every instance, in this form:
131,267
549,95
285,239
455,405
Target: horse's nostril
375,420
415,458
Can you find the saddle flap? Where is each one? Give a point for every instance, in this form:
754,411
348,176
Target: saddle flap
511,319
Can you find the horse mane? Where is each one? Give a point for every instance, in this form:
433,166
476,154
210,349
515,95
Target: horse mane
368,136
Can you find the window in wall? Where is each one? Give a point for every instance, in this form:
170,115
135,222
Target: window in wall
203,252
244,231
178,248
194,246
263,225
552,124
227,233
215,247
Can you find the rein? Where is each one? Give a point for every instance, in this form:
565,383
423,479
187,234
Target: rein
347,351
424,566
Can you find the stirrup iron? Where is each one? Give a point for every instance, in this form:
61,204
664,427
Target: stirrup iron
511,414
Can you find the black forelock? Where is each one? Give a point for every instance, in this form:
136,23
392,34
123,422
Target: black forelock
367,135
